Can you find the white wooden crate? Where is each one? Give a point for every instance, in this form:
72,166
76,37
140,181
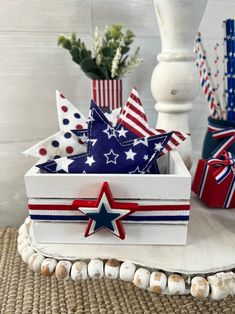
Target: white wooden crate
172,188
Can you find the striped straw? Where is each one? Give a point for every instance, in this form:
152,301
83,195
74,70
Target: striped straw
216,75
224,102
206,81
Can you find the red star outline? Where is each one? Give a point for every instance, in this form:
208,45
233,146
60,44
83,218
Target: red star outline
132,207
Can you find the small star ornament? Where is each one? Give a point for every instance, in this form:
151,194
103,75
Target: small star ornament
105,213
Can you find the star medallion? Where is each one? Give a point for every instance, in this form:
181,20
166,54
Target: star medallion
105,212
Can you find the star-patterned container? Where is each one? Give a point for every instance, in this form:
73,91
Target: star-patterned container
113,208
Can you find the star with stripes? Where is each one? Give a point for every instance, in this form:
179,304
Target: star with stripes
105,213
132,124
110,154
133,121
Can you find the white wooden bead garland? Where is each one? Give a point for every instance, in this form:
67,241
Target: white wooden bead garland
62,270
141,278
158,282
26,253
199,287
217,286
48,266
96,268
111,269
79,271
35,262
127,271
176,284
222,284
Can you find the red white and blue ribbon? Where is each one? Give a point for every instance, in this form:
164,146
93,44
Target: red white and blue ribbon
228,134
223,167
107,213
64,210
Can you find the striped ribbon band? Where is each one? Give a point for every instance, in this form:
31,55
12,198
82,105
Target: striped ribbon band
228,134
66,211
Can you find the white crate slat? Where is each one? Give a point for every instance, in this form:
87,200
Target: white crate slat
145,234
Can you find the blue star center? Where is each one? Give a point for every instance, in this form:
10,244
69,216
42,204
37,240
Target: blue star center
103,219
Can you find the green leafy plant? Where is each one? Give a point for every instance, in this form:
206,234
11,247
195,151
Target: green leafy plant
110,58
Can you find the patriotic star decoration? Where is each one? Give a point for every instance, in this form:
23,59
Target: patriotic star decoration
133,124
105,212
64,142
107,154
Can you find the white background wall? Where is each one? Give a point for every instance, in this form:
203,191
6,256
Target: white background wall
32,67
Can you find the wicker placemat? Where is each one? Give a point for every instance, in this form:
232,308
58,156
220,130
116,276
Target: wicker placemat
22,291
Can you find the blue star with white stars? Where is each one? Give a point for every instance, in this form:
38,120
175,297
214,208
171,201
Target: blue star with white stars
106,153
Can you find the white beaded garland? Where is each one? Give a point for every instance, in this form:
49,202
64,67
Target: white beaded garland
62,270
35,262
111,269
48,266
22,229
23,245
79,271
21,238
141,278
96,268
176,284
158,282
27,252
222,284
127,271
199,287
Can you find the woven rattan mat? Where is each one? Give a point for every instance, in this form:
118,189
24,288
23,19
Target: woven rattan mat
22,291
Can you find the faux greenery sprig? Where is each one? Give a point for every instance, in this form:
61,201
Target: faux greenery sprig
110,59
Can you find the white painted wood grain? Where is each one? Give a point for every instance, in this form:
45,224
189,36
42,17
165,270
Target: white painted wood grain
147,234
43,15
32,67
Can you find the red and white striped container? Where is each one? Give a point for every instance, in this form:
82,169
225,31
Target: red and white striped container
107,94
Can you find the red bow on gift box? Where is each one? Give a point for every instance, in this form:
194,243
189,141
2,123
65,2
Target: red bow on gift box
225,165
228,134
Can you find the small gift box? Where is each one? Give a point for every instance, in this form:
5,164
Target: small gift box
214,181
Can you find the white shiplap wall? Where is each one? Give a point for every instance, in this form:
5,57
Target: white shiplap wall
32,67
